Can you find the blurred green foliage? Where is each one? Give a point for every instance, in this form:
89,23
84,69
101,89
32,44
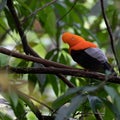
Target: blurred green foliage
43,30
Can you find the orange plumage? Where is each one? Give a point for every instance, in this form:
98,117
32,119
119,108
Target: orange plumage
76,42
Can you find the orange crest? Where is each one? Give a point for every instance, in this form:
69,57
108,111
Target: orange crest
76,42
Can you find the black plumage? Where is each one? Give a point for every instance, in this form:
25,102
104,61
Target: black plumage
91,63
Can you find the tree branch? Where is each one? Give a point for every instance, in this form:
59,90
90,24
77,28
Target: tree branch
32,58
27,49
68,83
110,33
38,60
54,64
65,71
51,70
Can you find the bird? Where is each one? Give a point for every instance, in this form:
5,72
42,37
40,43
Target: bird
87,54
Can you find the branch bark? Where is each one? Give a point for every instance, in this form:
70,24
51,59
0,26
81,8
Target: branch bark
65,71
110,33
27,49
32,58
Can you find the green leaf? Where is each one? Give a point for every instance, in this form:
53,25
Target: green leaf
31,116
10,19
95,103
14,98
66,97
32,80
41,78
50,25
54,82
4,60
66,111
74,80
3,24
114,95
115,19
112,108
22,63
20,111
102,38
50,54
18,108
32,107
65,50
38,47
24,5
48,20
64,59
108,114
90,89
62,86
117,48
56,57
62,9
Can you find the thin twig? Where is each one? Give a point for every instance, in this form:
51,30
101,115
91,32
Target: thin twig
30,97
66,12
68,83
39,9
110,33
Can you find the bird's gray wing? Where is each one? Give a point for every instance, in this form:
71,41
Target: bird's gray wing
97,54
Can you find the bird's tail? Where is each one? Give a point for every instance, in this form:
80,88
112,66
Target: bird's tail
109,68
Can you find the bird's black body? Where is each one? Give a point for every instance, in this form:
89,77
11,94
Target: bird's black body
89,62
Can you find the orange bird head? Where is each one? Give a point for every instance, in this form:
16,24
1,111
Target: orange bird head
76,42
